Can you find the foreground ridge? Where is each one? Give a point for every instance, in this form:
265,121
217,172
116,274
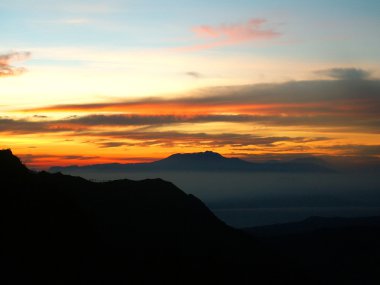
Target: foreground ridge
63,229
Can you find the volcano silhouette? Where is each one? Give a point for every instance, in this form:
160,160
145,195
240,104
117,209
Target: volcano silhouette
207,161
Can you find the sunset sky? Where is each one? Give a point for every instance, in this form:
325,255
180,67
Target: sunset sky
84,82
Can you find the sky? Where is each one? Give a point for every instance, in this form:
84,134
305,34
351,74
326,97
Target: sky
84,82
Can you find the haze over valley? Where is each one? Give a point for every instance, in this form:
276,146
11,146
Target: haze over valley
246,194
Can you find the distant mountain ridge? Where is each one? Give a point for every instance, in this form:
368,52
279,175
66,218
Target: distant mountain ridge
205,161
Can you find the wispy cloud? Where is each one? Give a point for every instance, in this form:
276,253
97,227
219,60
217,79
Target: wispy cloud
141,120
231,34
6,69
101,123
193,74
144,131
111,144
69,21
345,73
356,149
171,138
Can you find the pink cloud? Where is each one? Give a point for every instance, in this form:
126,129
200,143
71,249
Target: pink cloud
5,59
231,34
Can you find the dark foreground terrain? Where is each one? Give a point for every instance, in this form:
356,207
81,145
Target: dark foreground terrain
59,229
334,250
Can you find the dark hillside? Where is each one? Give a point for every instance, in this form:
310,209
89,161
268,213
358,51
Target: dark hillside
59,229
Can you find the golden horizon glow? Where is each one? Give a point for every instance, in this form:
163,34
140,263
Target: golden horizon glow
240,125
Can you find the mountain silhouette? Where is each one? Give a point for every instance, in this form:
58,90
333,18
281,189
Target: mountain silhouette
203,161
207,161
10,164
59,229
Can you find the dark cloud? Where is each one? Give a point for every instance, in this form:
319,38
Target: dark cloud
345,73
291,94
357,150
12,126
193,74
6,69
321,123
143,135
111,144
324,123
77,157
308,96
345,113
133,120
20,126
171,138
31,158
82,124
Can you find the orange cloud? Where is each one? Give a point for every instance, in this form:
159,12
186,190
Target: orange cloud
231,34
166,107
326,102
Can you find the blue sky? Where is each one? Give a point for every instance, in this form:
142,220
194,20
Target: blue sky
149,24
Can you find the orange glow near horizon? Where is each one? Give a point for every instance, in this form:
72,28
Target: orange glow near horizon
242,124
63,150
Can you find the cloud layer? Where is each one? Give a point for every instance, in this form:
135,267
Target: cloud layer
343,104
325,117
346,73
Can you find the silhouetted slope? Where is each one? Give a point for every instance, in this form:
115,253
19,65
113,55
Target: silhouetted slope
10,164
205,161
59,229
